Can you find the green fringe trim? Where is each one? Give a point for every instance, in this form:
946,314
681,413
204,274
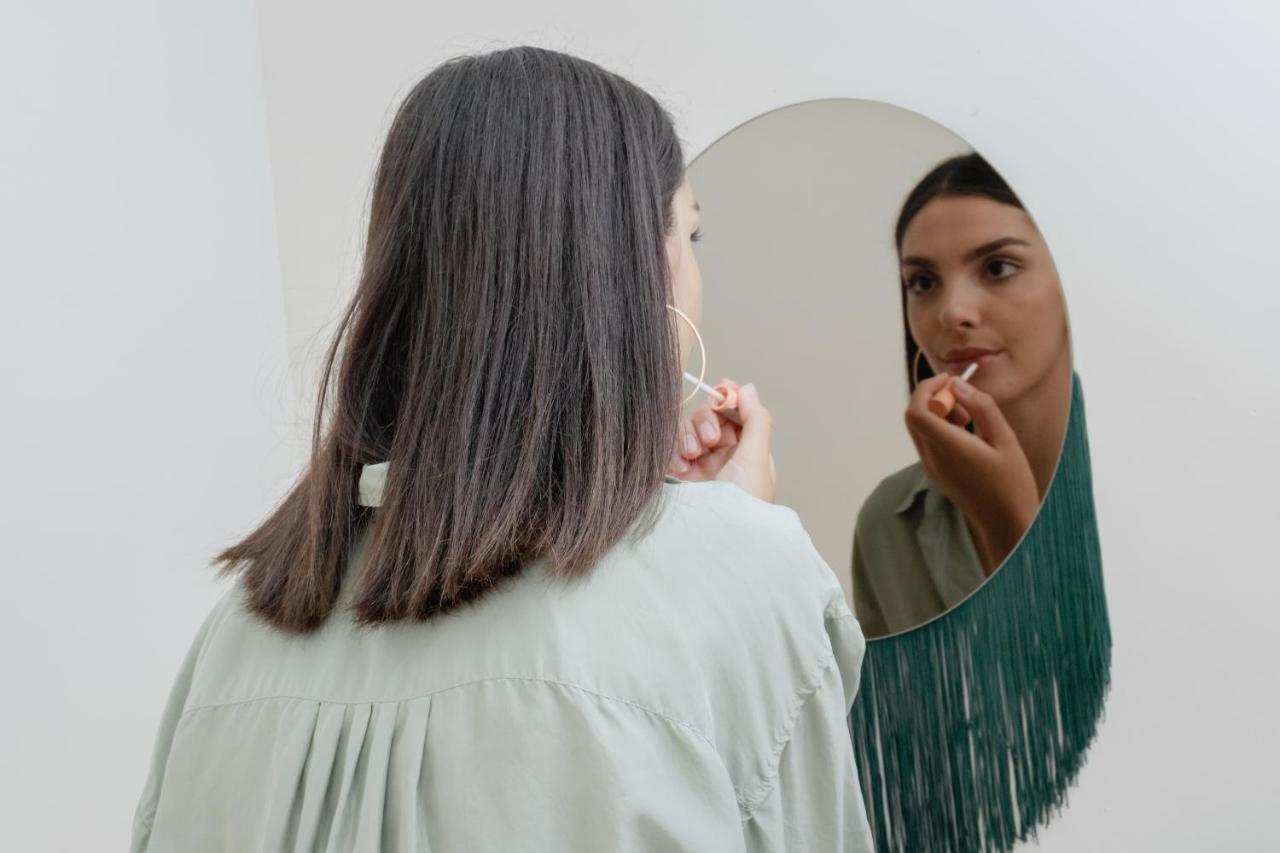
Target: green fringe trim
969,729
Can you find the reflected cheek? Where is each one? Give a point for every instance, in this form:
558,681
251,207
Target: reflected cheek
925,333
1037,330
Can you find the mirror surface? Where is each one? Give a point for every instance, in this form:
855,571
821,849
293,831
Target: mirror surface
854,256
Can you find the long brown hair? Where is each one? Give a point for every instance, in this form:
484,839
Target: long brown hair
507,350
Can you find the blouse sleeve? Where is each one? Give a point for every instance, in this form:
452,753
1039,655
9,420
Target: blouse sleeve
816,802
144,813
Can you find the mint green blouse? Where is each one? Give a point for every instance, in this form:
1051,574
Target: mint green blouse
690,694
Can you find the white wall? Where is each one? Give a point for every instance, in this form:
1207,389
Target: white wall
146,400
144,297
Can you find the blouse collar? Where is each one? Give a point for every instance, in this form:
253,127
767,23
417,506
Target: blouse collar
372,480
918,483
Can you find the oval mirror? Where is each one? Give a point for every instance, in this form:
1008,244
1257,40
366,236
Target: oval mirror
860,263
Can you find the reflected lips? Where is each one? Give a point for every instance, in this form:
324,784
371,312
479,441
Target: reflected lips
957,360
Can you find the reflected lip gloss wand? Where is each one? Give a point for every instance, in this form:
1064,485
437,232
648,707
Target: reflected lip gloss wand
944,399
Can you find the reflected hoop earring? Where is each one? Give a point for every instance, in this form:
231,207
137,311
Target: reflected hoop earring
701,347
915,365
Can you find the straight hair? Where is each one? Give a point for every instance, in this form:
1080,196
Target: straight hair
507,349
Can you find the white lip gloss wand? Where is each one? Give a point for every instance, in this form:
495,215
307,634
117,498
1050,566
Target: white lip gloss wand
944,399
724,397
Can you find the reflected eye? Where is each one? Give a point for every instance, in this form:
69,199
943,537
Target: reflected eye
1001,268
918,284
695,236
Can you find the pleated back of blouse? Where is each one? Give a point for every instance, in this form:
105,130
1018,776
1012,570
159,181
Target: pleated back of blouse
690,693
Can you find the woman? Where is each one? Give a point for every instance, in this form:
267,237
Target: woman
978,285
485,618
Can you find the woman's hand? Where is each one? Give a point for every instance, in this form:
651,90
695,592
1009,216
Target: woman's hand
985,473
709,446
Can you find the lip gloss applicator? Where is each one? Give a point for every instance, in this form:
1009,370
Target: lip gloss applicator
724,397
944,399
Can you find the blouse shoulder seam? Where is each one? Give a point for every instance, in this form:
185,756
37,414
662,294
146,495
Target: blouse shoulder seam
693,730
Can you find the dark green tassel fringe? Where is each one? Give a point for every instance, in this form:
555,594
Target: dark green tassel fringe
968,730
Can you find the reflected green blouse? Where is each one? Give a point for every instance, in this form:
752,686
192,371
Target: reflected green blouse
913,556
690,694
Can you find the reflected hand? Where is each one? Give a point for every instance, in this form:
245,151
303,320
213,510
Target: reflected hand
709,446
985,473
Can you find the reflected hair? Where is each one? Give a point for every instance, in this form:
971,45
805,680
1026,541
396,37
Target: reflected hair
507,349
964,175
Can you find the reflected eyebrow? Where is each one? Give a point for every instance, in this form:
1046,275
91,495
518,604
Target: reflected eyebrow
972,255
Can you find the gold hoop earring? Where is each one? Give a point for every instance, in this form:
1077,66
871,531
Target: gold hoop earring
701,347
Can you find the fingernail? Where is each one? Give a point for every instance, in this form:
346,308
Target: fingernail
707,431
690,443
963,388
680,465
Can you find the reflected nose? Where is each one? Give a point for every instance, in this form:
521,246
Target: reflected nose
960,306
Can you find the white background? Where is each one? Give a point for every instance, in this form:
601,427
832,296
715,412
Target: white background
180,188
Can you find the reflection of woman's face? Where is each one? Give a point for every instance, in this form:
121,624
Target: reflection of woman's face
981,287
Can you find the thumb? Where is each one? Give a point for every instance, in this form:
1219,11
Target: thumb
988,421
756,435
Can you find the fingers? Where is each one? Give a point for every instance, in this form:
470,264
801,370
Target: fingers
715,460
706,424
678,466
925,389
704,431
756,434
705,467
698,438
988,421
711,445
959,415
687,441
922,423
